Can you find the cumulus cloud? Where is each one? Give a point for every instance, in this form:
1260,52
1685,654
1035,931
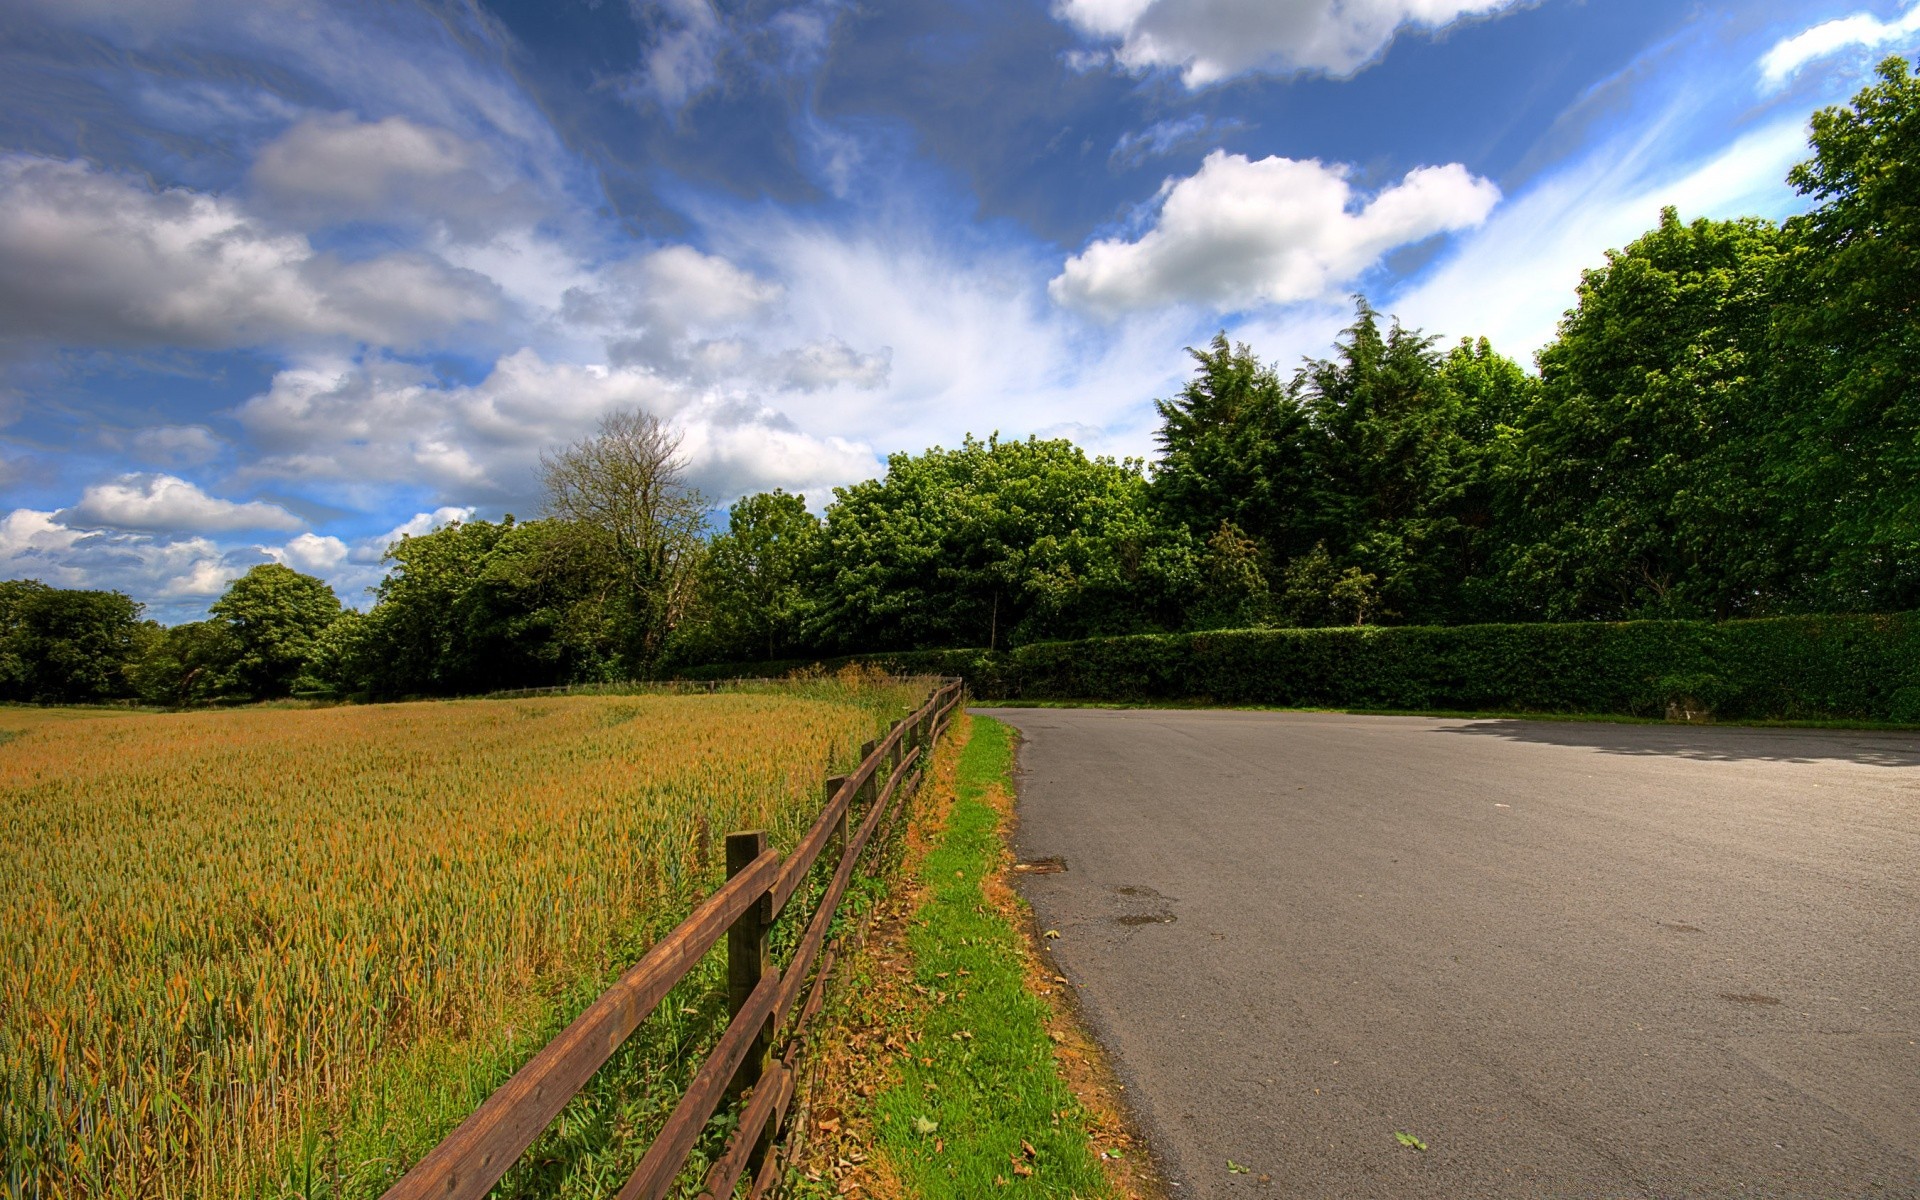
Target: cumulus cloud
1240,233
675,288
88,257
1212,40
310,552
181,445
1861,30
176,575
336,168
168,504
831,362
358,421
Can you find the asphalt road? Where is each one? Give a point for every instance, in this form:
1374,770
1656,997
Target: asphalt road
1575,960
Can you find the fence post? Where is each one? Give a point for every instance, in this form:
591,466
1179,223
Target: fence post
747,961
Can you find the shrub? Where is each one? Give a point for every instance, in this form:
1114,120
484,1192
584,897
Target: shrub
1790,668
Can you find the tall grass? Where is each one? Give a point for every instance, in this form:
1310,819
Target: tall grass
227,938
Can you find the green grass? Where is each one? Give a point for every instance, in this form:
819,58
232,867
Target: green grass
982,1080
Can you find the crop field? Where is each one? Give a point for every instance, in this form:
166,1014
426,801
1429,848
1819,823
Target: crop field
281,952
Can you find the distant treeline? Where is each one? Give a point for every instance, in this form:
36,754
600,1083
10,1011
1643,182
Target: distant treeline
1728,425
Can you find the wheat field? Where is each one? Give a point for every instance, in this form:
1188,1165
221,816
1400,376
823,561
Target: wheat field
228,937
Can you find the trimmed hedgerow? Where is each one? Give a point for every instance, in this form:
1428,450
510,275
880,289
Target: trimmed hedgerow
1788,668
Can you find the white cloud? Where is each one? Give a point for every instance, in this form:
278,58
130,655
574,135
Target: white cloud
1241,233
830,362
310,552
183,445
1831,37
176,575
92,258
1164,137
335,168
670,291
371,550
168,504
354,422
1212,40
683,60
1513,278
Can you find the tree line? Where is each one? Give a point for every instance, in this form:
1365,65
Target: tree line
1727,425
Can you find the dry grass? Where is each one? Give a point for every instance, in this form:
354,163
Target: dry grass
219,930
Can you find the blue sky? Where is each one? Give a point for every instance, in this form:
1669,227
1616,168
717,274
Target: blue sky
281,280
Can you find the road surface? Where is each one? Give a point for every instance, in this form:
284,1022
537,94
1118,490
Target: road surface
1576,960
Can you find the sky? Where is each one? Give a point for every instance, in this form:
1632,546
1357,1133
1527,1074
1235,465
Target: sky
281,280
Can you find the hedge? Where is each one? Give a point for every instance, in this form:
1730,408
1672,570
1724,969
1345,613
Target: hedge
1788,668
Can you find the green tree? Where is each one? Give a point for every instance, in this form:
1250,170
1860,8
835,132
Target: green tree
1232,450
60,645
1390,467
1643,480
1234,593
186,664
482,606
1850,324
274,614
754,597
991,544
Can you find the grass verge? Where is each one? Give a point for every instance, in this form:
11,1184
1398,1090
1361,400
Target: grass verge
956,1073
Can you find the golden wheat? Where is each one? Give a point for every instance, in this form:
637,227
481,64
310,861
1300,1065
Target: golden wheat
214,924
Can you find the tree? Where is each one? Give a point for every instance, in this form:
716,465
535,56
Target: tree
481,605
1232,450
274,614
61,645
627,485
1389,466
993,544
1234,592
1644,480
754,596
191,663
1850,324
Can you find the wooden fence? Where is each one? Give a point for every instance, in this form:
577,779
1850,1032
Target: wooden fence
754,1063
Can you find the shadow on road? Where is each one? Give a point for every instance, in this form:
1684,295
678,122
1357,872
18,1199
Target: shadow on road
1708,743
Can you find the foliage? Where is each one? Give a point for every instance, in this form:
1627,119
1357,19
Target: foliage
61,645
1810,667
187,664
273,614
992,543
754,596
285,952
1643,478
1850,326
626,488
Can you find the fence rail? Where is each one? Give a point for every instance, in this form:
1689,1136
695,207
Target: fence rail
756,1058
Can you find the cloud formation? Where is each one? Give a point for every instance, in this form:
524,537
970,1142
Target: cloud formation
347,422
1240,233
334,168
1824,40
169,504
1211,40
177,576
92,258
